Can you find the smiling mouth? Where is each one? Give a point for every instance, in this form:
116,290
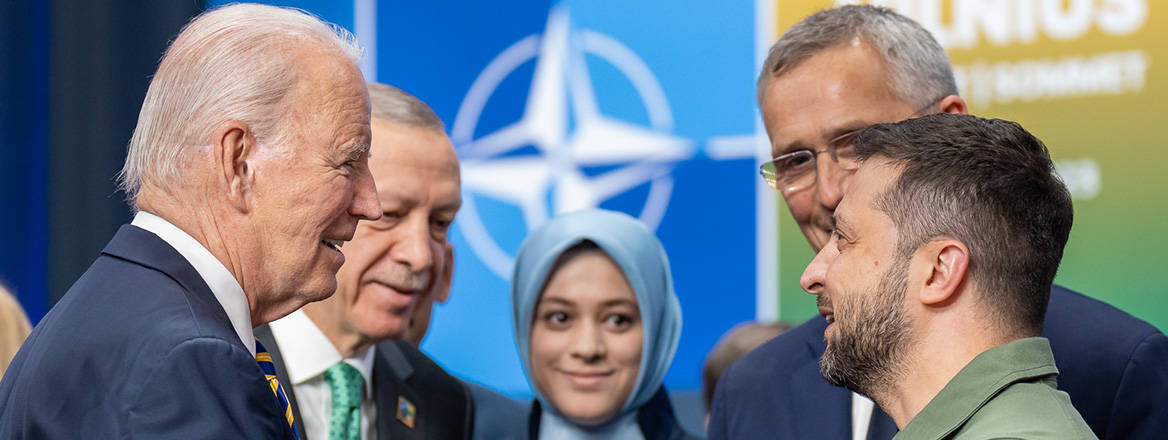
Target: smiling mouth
829,315
586,379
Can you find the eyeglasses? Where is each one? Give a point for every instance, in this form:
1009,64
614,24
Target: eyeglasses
795,171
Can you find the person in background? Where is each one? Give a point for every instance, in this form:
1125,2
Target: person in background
829,76
597,324
495,415
350,373
254,110
14,328
733,345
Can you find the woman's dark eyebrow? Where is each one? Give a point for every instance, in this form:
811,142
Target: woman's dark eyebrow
557,300
619,302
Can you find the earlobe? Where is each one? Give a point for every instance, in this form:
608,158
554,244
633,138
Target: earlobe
949,261
953,104
233,147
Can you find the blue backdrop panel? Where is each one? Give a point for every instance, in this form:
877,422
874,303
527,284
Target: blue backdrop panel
24,151
590,103
640,107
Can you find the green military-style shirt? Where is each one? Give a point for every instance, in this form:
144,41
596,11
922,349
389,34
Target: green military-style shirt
1007,392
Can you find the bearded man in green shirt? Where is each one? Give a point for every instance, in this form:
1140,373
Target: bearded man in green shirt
936,279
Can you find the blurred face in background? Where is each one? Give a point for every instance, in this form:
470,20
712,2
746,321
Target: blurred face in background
818,106
403,258
586,339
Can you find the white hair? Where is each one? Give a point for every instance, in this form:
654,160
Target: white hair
231,63
918,68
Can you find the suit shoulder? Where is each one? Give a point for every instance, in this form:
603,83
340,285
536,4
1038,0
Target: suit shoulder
783,353
426,374
1086,325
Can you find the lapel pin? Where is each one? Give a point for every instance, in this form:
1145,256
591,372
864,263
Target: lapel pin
406,412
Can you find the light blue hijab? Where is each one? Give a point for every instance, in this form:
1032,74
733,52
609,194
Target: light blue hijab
642,259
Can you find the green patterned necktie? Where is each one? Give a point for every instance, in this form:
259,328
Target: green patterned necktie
346,384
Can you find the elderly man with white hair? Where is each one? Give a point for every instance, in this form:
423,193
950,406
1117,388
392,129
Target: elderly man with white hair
248,169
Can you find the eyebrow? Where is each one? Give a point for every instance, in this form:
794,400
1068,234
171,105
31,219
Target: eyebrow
356,148
830,135
606,304
840,223
553,299
842,130
618,302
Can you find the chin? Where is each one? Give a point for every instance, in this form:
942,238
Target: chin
584,411
325,291
589,418
382,331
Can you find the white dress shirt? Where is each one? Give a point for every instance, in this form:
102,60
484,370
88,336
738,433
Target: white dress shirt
861,415
307,355
226,289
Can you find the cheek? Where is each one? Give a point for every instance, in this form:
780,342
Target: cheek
800,204
625,350
546,346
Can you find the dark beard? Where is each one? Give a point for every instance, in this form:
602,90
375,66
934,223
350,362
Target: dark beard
865,355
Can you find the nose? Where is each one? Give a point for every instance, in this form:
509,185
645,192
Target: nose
816,271
588,343
366,204
412,248
831,181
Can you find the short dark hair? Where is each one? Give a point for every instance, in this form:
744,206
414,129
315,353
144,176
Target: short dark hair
989,184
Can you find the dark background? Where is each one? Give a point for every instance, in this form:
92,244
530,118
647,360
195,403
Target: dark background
72,78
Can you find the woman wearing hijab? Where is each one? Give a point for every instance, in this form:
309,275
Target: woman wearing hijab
597,324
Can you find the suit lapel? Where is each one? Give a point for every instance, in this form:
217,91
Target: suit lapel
264,334
881,427
388,388
817,416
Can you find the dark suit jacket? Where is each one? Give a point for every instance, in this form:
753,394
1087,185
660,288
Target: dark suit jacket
137,348
442,407
496,416
1113,365
655,418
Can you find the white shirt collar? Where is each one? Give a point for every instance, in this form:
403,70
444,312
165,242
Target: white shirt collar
308,353
225,287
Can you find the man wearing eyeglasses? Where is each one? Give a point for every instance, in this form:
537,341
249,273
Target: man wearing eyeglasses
830,76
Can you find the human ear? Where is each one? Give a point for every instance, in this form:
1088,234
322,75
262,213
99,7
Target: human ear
953,104
948,263
234,145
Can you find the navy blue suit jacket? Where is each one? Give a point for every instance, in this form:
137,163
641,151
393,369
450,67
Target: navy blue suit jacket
137,348
496,416
1113,365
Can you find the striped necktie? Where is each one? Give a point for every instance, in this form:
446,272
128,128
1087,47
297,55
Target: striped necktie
265,361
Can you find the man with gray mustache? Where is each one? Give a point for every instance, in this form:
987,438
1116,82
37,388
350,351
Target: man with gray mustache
343,360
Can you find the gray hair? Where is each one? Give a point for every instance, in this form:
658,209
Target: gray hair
392,104
232,63
917,65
